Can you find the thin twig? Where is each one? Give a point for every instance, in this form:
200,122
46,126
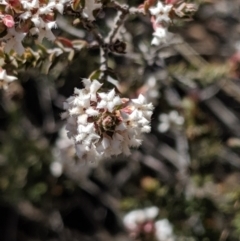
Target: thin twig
103,62
102,44
125,8
118,23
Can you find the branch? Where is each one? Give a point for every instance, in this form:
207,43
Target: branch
118,23
125,8
102,44
103,62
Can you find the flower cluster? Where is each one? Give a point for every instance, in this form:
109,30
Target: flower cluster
162,15
172,119
103,124
20,18
141,222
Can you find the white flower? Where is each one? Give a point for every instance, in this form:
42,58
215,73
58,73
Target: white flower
29,5
151,212
82,99
59,4
160,36
92,87
137,217
14,41
56,169
161,12
90,6
173,119
142,105
109,101
143,221
164,230
25,15
151,89
42,29
5,79
102,124
46,9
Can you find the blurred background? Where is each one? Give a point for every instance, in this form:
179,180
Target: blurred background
183,183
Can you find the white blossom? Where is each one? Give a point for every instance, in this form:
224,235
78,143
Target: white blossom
143,221
5,79
139,216
109,100
164,230
43,29
56,168
29,5
92,87
59,4
160,36
142,105
161,12
13,41
152,87
44,10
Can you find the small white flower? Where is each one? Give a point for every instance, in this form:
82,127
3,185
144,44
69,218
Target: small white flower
141,104
133,218
136,220
139,216
56,169
29,5
160,36
164,230
47,8
25,15
173,119
92,87
151,212
151,89
163,127
14,41
42,29
108,101
161,12
92,112
59,5
5,79
82,98
82,119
